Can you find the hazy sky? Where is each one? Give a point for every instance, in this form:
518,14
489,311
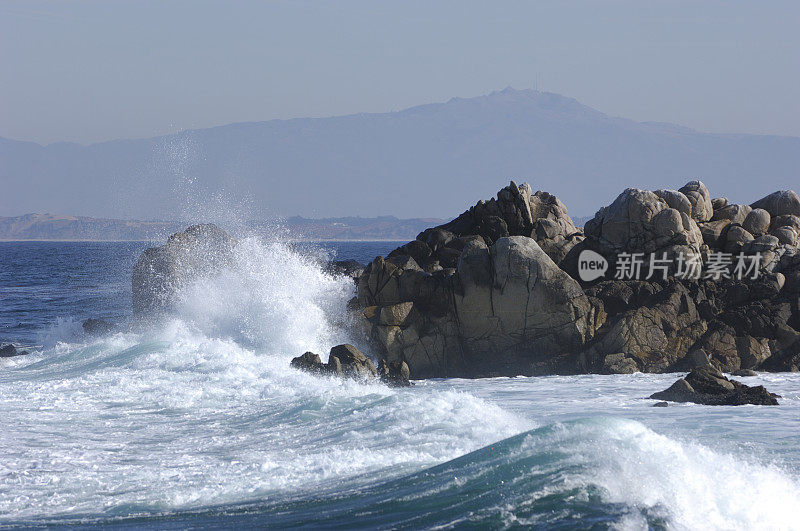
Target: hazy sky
87,71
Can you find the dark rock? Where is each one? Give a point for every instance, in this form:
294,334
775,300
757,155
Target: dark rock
735,238
706,385
719,202
344,361
732,213
781,203
714,232
655,334
347,268
309,362
436,238
8,351
496,290
416,249
334,366
786,235
353,362
787,220
395,373
745,372
661,404
757,222
96,327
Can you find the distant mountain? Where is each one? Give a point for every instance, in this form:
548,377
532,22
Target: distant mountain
53,227
431,160
357,228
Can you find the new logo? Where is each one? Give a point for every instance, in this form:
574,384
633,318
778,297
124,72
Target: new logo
591,265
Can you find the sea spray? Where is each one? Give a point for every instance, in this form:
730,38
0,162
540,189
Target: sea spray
203,409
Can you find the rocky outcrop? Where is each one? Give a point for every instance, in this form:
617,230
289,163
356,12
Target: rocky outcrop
161,271
505,309
9,351
347,268
644,222
651,329
517,211
706,385
497,290
344,361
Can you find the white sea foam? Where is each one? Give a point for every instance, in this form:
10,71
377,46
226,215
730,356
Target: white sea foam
205,410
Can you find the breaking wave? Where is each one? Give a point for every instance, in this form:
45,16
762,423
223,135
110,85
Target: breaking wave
201,418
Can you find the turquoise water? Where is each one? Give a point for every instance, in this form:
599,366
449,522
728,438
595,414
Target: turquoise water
199,421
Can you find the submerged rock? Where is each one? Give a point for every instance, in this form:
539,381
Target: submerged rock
708,386
395,373
8,351
345,361
96,327
351,362
309,362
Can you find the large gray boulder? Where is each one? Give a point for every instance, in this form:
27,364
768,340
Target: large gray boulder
732,213
700,198
643,223
639,221
676,200
161,271
757,222
507,310
526,305
783,202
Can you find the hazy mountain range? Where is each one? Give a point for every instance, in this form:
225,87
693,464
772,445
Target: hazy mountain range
430,160
56,227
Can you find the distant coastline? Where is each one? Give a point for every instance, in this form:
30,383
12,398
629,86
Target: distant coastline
60,228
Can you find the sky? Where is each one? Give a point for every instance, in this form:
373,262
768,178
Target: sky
88,71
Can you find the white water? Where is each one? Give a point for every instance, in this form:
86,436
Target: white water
204,410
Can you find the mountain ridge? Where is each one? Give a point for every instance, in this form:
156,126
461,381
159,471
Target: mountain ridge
423,161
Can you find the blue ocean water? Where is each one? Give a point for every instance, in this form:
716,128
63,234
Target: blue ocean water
200,421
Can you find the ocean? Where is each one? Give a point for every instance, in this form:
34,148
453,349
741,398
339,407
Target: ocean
200,422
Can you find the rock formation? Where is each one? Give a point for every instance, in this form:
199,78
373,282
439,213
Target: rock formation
706,385
496,291
344,361
161,271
